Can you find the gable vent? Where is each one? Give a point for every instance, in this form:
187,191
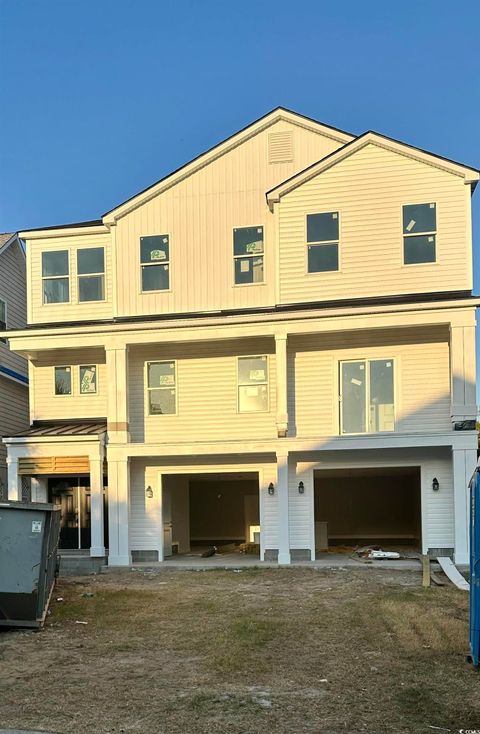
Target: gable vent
280,147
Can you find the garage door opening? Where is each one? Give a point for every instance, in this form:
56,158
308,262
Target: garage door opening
374,506
203,511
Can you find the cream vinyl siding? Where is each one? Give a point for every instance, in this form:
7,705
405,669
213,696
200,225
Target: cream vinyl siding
48,406
13,413
72,311
422,378
13,292
206,383
200,213
368,189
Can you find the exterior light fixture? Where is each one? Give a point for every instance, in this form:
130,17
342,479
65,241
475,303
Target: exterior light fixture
149,492
435,484
301,488
271,488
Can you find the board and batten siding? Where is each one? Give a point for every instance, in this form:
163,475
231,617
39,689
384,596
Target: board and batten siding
422,377
48,406
13,292
199,215
38,312
368,190
206,384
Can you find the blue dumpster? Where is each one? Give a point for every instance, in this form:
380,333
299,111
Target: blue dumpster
475,568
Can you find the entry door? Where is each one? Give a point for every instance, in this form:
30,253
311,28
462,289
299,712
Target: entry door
72,496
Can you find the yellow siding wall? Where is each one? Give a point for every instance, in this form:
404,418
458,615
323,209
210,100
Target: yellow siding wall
368,190
48,406
73,311
206,394
199,214
422,379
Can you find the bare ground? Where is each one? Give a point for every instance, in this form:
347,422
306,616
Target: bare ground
271,650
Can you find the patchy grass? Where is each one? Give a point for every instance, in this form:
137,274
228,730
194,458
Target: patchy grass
277,650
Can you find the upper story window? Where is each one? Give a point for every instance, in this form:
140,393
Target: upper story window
248,255
252,384
419,233
55,272
91,274
367,396
88,379
155,262
162,388
322,242
63,380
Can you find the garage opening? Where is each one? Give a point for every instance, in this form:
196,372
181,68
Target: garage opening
371,506
206,511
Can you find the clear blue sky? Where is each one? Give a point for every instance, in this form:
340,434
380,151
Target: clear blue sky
99,98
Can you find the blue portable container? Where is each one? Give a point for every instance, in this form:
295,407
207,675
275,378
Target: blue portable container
475,568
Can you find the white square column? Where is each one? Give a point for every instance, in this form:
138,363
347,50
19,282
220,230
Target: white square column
117,394
14,480
118,512
282,384
464,463
97,542
283,519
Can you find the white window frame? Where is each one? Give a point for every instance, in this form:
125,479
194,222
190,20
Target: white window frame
72,386
367,361
160,262
83,366
242,257
148,389
90,275
244,384
419,234
323,242
57,277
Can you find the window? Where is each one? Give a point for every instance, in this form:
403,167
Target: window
91,274
55,277
252,384
248,255
367,396
419,233
155,262
161,388
88,379
63,380
322,242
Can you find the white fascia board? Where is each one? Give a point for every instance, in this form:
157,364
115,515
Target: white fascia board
30,440
42,234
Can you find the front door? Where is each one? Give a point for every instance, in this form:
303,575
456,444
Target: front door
72,496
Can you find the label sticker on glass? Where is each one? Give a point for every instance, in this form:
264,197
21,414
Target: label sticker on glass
430,239
334,215
88,381
410,225
253,247
166,380
244,266
157,255
257,374
354,381
252,392
36,526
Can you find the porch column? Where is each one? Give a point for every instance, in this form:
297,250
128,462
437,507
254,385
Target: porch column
283,521
462,370
117,394
118,512
97,543
464,463
39,489
14,480
282,389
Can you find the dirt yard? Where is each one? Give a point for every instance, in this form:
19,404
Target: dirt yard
271,650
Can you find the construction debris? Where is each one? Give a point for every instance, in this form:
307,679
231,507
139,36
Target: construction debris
377,554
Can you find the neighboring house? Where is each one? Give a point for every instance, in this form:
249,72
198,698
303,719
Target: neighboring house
276,342
13,368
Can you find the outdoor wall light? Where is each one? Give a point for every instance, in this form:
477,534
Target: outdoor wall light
301,488
271,488
149,492
435,484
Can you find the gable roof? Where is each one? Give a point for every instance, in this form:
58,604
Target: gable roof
279,113
10,238
471,175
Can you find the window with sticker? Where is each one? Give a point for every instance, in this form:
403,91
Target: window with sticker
252,384
155,262
161,388
323,238
248,252
367,403
419,233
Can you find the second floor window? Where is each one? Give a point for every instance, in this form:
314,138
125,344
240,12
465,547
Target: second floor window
161,388
252,384
322,242
419,233
367,396
248,255
63,380
155,262
88,379
91,274
55,280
